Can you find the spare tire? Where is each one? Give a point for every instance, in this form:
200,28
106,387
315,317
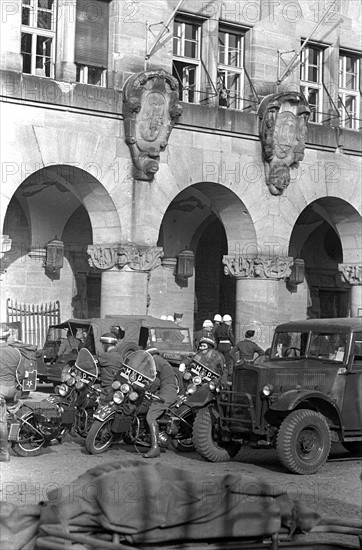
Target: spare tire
126,348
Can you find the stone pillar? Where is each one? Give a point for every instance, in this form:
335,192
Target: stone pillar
258,283
352,273
65,65
125,276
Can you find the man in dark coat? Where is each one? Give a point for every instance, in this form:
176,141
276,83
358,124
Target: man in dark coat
247,348
164,387
225,340
109,361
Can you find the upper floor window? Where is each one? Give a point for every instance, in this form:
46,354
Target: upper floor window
348,92
186,59
311,78
38,37
91,41
230,74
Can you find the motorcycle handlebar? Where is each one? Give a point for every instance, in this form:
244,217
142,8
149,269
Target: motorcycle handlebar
153,397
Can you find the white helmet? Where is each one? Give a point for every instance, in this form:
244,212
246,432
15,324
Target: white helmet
170,318
226,318
217,318
207,323
163,317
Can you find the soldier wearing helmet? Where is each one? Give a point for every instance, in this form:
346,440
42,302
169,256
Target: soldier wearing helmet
216,322
205,332
109,360
225,340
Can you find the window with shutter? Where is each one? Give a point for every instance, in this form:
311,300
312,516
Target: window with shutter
91,39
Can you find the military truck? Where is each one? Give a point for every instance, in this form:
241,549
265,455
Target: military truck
305,395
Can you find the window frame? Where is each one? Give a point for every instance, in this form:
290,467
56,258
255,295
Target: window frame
344,92
83,72
308,85
32,29
186,90
229,70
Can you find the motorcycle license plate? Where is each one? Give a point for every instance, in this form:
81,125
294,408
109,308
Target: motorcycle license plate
14,431
102,413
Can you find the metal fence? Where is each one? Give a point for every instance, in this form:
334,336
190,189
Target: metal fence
32,320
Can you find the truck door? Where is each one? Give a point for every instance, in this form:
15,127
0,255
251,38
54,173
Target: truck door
352,401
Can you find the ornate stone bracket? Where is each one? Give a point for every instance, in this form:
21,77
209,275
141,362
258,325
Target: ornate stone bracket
150,110
351,273
125,256
257,268
283,126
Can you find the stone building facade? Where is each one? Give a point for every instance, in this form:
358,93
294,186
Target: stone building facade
71,172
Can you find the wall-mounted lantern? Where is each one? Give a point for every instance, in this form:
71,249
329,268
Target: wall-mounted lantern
185,264
297,272
54,255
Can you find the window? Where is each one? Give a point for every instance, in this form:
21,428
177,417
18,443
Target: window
348,94
230,73
91,41
38,37
186,59
311,80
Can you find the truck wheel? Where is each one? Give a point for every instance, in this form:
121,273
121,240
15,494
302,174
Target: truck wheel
353,447
205,436
303,442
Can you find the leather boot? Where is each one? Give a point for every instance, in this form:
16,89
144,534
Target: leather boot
154,451
4,447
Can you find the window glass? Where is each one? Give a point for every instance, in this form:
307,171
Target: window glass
328,346
288,345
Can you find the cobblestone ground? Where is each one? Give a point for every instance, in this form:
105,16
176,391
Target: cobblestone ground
335,491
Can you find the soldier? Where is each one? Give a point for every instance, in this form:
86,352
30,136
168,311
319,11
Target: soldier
109,361
205,332
165,387
247,348
225,340
12,372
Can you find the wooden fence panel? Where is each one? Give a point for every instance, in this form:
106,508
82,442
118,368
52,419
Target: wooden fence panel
33,320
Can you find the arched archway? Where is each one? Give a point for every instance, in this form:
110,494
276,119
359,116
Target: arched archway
326,234
62,202
212,221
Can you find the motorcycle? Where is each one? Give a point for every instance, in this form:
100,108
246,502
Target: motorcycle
34,425
124,417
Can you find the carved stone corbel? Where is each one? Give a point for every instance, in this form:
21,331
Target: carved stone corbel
128,256
282,130
150,110
351,273
257,268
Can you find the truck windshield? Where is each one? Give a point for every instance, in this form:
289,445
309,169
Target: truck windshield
170,338
328,346
288,345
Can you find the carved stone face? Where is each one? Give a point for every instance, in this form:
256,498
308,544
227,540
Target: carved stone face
279,177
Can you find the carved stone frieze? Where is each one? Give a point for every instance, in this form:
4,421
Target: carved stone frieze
283,126
128,256
150,110
257,268
352,273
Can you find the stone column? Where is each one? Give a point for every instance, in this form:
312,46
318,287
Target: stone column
125,276
257,294
65,65
352,273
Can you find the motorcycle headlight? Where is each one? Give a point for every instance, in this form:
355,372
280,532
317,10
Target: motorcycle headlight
133,396
63,390
67,376
125,388
80,384
187,375
116,385
71,381
212,385
267,390
118,397
197,380
191,388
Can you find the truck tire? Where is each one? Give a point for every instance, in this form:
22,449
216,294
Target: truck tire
205,437
126,349
303,442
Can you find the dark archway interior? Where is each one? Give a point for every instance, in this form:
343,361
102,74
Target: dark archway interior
214,291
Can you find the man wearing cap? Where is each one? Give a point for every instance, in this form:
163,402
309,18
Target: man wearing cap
247,348
225,340
109,360
12,371
164,387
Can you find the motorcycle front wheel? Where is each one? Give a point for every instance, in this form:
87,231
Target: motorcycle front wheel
100,436
31,441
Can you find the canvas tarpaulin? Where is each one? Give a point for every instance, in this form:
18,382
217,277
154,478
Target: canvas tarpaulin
146,502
